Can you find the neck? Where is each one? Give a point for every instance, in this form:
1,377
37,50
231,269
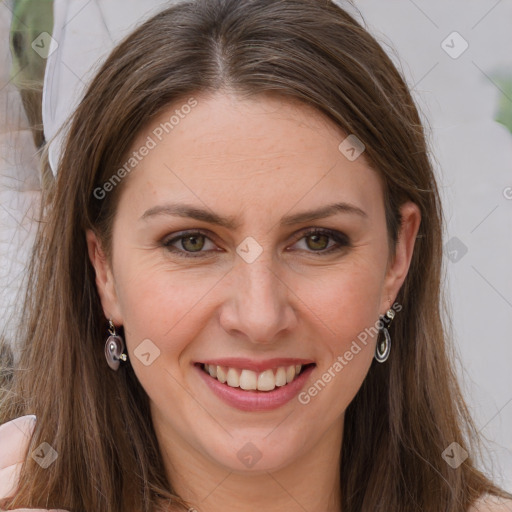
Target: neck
310,482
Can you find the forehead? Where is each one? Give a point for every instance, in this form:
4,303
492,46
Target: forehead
255,153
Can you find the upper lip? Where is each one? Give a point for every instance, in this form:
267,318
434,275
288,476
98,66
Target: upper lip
256,366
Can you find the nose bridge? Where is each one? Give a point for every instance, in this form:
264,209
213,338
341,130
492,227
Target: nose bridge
261,285
260,309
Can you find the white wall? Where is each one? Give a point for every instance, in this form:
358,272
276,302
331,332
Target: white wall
474,166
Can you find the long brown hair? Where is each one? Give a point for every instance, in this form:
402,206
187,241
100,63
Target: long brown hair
407,411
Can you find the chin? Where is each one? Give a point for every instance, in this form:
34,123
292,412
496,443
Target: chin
255,454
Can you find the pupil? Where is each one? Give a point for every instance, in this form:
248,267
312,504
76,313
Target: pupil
315,239
194,245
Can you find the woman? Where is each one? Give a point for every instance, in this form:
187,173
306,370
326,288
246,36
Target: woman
235,296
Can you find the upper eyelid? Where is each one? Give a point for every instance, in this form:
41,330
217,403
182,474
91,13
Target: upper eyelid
332,233
183,234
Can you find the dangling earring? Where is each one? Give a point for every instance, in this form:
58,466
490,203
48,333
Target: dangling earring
114,347
383,347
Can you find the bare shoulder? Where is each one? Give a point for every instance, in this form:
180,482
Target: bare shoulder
14,438
492,504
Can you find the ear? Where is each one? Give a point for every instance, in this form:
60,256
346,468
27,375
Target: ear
104,279
399,264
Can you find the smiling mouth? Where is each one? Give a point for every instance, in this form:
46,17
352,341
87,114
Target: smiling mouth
249,380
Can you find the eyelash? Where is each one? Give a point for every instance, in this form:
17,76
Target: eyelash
340,238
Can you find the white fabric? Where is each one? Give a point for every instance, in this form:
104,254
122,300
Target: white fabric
19,188
84,33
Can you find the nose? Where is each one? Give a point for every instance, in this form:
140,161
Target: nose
260,307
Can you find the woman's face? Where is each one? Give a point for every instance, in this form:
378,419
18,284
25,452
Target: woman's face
248,288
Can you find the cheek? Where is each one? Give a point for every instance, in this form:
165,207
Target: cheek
345,308
164,307
346,301
167,305
162,304
345,341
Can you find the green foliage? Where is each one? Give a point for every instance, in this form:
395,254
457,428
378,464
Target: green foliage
30,18
504,113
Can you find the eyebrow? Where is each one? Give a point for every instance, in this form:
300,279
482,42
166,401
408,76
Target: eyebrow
185,210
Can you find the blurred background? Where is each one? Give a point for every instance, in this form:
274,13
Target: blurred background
457,59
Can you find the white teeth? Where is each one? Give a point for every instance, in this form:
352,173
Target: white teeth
250,381
266,381
233,379
221,374
281,376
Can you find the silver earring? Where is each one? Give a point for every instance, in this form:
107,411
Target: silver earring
383,347
114,347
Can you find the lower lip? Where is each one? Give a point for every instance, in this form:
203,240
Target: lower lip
256,400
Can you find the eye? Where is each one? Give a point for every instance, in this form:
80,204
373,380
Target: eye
317,240
190,244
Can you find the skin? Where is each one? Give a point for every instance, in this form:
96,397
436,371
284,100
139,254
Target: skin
256,160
